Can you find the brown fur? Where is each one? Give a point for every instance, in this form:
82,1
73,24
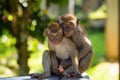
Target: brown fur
64,49
60,47
82,42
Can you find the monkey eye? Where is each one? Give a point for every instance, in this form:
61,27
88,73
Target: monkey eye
62,24
71,23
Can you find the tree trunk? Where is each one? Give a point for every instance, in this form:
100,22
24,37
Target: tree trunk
20,28
23,24
21,46
112,30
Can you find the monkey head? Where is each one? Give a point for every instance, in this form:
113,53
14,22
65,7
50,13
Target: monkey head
54,32
69,23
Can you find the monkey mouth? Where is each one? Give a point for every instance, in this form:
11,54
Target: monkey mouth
56,41
68,34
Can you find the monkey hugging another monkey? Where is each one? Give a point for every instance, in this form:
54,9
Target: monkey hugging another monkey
70,51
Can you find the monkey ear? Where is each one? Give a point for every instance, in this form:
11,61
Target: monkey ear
78,21
58,20
45,32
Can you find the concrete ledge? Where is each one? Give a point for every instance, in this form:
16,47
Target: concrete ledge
85,77
18,78
50,78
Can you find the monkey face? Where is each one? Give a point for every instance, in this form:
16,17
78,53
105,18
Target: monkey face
68,23
54,33
55,38
68,28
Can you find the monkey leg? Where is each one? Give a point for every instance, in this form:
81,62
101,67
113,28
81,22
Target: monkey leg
68,70
54,62
66,63
85,62
71,72
46,61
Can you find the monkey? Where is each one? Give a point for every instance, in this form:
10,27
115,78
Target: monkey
63,47
60,47
72,30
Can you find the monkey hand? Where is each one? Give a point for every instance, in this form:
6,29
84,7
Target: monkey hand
55,69
66,74
66,63
77,74
60,69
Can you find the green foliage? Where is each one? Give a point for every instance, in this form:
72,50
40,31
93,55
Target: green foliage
36,5
98,41
61,3
32,44
35,60
39,16
100,13
8,56
39,23
7,43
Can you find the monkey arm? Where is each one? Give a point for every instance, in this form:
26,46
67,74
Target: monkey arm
83,51
74,67
75,60
82,42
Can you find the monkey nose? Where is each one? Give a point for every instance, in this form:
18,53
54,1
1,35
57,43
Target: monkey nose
67,29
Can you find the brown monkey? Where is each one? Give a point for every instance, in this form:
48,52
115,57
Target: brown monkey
61,47
72,29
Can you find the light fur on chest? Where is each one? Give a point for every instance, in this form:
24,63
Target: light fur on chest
64,49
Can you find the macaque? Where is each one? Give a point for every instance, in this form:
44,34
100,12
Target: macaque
73,31
62,49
